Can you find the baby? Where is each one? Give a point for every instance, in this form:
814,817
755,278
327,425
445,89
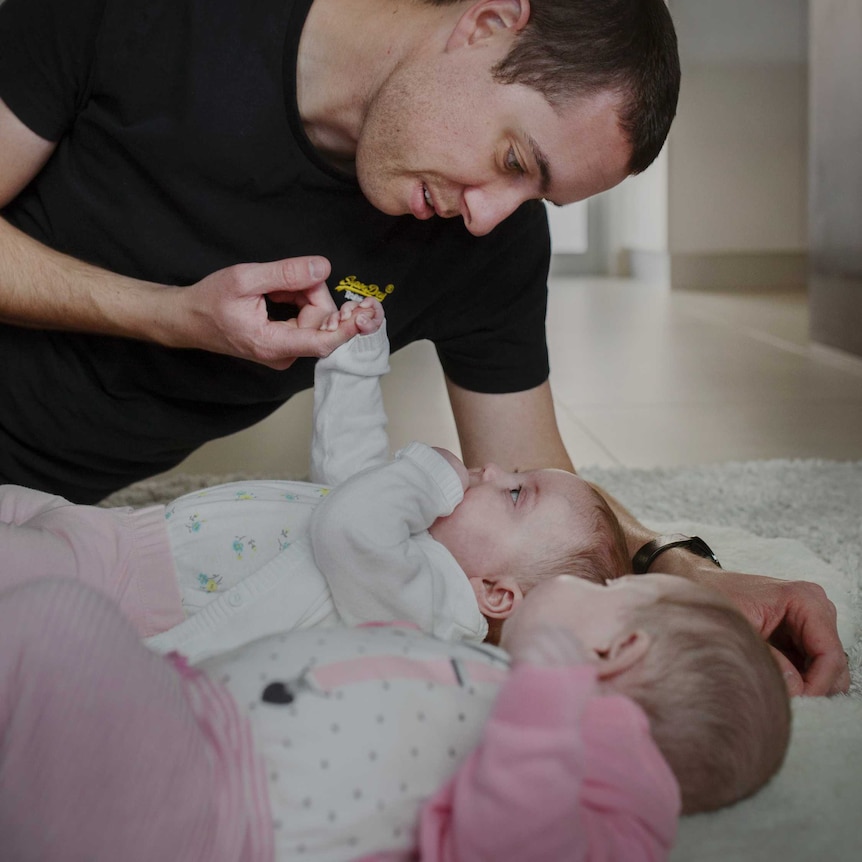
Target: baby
621,707
416,538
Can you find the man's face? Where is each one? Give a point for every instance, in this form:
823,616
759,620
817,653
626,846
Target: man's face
506,521
442,137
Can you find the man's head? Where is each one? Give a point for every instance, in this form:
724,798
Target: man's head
513,530
573,48
510,100
717,704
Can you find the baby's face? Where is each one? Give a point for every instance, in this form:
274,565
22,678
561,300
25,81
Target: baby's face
506,520
594,613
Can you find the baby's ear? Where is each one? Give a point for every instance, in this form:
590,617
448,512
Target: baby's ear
497,598
624,652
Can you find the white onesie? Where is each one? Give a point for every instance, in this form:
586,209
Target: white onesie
264,556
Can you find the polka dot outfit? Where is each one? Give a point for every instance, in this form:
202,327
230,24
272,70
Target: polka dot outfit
356,728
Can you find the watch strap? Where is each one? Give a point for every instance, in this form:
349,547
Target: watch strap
644,558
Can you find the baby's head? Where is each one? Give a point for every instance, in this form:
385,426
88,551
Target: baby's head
717,704
514,530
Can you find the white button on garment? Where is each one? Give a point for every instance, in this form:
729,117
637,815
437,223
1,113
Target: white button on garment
234,599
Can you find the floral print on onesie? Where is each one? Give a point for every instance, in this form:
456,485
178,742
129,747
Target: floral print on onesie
221,535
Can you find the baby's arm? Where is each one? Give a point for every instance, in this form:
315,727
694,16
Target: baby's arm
369,540
561,773
349,421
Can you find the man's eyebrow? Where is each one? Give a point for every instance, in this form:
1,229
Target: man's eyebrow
543,163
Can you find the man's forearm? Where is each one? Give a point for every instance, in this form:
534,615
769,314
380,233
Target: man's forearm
516,430
636,533
43,288
674,561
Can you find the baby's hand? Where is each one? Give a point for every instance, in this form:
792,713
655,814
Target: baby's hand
364,317
457,465
547,646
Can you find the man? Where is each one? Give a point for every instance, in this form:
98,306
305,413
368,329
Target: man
151,149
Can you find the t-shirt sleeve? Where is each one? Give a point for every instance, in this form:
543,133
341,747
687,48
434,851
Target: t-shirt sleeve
47,53
494,341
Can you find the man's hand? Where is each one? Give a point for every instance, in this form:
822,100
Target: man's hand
798,621
226,313
796,618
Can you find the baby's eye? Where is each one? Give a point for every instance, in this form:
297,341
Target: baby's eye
515,493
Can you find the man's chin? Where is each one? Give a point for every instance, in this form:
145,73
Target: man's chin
381,198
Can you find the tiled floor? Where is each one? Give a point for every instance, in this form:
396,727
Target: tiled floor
642,377
648,377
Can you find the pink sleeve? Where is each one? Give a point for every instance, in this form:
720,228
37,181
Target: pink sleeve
562,773
120,552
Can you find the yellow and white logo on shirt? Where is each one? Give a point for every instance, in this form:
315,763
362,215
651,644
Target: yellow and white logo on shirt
353,288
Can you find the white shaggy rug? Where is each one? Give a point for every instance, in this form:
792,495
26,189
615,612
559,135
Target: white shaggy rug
794,519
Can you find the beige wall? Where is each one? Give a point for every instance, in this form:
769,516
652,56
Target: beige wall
835,288
726,206
737,178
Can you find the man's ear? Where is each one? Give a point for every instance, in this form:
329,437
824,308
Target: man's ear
497,598
484,18
624,652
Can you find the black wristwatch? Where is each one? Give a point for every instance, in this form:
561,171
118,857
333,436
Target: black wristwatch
643,559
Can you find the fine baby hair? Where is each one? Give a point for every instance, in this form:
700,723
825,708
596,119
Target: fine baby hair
716,701
600,557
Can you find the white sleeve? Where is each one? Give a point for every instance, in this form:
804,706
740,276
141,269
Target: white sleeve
370,539
349,422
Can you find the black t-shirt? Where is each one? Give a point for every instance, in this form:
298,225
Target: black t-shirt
180,152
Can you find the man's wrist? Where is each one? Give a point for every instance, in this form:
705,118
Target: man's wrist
672,544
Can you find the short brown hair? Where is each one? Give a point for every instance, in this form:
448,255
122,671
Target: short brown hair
578,48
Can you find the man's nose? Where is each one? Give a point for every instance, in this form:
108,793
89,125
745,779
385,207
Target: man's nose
487,206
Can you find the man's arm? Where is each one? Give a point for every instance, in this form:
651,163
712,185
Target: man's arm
516,430
224,313
796,618
519,431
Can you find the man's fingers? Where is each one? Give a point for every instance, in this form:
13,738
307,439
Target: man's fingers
296,341
828,674
792,677
293,274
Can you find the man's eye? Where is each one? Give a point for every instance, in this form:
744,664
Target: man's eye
515,493
512,163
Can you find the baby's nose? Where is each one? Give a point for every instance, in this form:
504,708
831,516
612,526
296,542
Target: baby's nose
491,473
